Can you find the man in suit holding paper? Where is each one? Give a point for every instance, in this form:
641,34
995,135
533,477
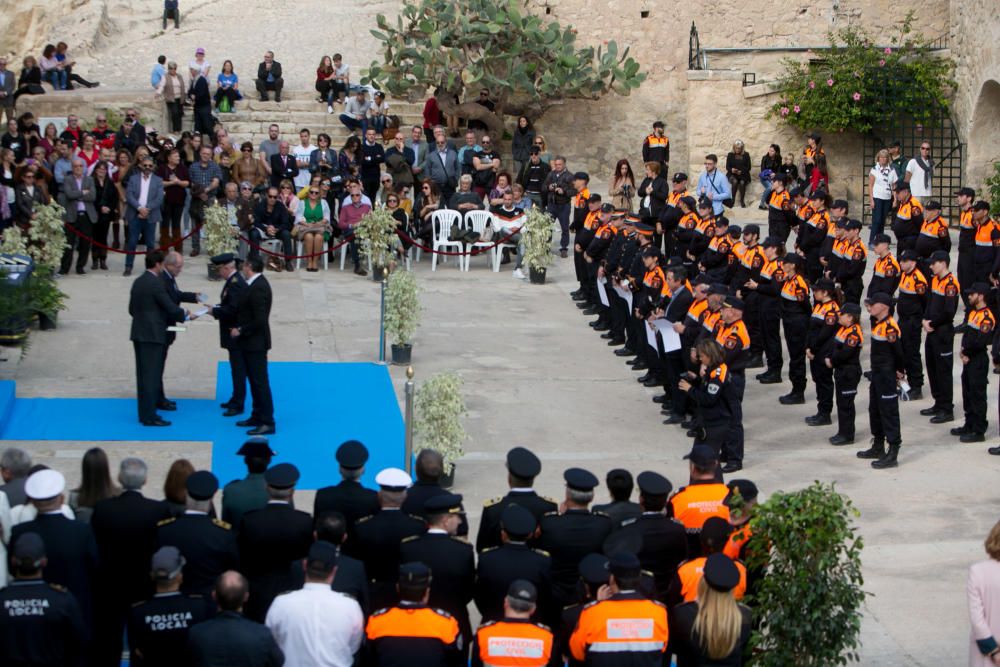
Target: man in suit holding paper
152,311
253,334
173,264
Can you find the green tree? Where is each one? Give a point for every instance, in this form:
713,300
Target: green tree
993,187
809,602
449,46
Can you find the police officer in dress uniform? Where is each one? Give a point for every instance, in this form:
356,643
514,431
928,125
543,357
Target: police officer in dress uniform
40,623
208,545
663,539
572,533
225,314
522,468
500,566
158,628
377,537
348,497
412,633
272,540
979,332
250,493
887,370
913,292
516,635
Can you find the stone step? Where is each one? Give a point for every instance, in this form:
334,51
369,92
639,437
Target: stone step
250,102
300,118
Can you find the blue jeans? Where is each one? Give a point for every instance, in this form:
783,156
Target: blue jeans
879,214
57,77
138,227
766,182
561,213
353,123
379,123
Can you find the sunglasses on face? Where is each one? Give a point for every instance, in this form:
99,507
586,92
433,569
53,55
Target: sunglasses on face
314,192
285,187
248,150
355,196
392,201
538,143
272,196
246,188
131,116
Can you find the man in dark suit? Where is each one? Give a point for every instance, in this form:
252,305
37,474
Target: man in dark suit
283,166
349,498
143,199
253,334
272,221
152,311
351,577
225,314
269,77
77,197
125,530
69,545
132,134
173,264
429,470
522,468
230,638
272,540
673,362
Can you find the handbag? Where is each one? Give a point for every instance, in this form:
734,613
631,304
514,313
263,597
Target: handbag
728,203
225,106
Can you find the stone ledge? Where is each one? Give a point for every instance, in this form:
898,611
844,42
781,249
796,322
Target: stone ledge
714,75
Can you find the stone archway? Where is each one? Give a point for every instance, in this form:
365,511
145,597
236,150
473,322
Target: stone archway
984,135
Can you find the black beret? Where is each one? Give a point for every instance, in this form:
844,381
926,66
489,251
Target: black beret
794,258
715,532
256,446
853,223
414,574
523,463
721,573
718,288
352,454
978,288
594,198
839,203
624,564
772,242
518,522
880,297
444,503
202,485
797,191
932,205
282,476
734,302
909,255
825,284
702,456
679,177
752,228
653,483
580,479
224,258
818,194
523,590
733,230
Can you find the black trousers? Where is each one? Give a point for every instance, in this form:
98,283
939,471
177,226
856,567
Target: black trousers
282,235
814,270
238,370
846,379
170,222
161,395
263,86
823,377
580,266
85,226
911,330
149,359
751,317
770,328
619,312
675,369
975,378
175,111
260,387
964,271
940,355
713,435
732,446
883,407
796,327
853,290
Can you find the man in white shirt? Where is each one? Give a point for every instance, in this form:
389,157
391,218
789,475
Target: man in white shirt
317,626
302,153
920,172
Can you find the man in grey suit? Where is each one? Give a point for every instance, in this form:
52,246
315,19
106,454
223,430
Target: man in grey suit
143,199
6,90
77,197
419,147
441,166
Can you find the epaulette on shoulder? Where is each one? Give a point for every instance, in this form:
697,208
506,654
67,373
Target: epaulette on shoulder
57,587
646,573
542,552
488,549
134,604
442,612
381,611
166,522
492,501
658,603
590,604
551,500
363,519
417,518
461,540
542,626
411,538
486,624
570,606
552,513
225,525
628,522
600,513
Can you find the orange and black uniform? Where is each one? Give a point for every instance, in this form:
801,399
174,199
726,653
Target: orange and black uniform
939,346
413,634
735,341
802,214
715,260
907,220
795,313
750,263
512,643
689,575
966,247
684,234
883,401
779,214
624,630
768,292
976,340
913,289
933,237
851,270
695,503
713,399
704,231
822,329
585,224
669,219
984,257
845,357
657,149
885,276
812,236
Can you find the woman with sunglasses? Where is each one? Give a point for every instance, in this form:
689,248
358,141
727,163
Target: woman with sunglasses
28,194
350,164
173,91
543,151
247,167
312,226
392,203
287,197
106,202
428,200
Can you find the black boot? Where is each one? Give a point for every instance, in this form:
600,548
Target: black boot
792,398
819,419
888,460
756,361
839,439
876,451
770,377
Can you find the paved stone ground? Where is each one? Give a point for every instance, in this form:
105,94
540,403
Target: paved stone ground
535,375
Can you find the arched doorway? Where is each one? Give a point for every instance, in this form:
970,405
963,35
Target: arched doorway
984,136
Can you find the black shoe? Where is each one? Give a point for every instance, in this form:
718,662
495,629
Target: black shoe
277,99
127,272
226,405
232,412
973,437
608,335
915,394
624,352
929,412
993,451
166,405
80,271
960,430
867,375
156,422
756,362
591,311
732,466
876,451
247,422
792,398
761,207
691,433
577,295
819,419
687,424
839,440
675,419
615,342
583,304
633,362
769,378
263,98
661,399
943,418
643,378
888,459
601,326
653,382
263,430
640,366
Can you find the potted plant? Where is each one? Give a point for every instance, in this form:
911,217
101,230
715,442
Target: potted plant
438,410
15,312
218,236
537,235
44,243
376,233
45,298
402,314
46,237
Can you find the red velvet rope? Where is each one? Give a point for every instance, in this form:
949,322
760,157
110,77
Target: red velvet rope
130,252
475,251
289,258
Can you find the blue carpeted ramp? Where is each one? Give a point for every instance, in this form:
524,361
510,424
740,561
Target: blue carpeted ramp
317,406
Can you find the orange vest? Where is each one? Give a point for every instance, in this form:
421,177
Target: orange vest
886,331
620,626
697,309
982,319
753,258
720,244
674,197
690,573
694,504
813,152
655,279
826,311
590,222
936,228
913,283
729,336
804,212
705,226
580,200
772,271
711,320
689,221
737,539
738,250
779,200
421,622
654,141
945,287
795,289
986,234
965,220
909,208
840,248
819,220
886,267
514,644
851,336
856,250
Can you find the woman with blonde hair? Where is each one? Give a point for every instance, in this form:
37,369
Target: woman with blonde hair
881,181
714,629
983,590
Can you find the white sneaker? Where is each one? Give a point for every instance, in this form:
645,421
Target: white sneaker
329,108
519,274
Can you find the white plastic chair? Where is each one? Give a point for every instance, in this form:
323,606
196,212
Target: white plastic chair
499,233
343,258
442,222
326,255
477,222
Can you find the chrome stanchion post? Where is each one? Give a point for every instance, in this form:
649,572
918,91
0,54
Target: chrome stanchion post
408,391
381,324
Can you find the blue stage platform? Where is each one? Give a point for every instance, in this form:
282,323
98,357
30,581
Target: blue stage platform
317,406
